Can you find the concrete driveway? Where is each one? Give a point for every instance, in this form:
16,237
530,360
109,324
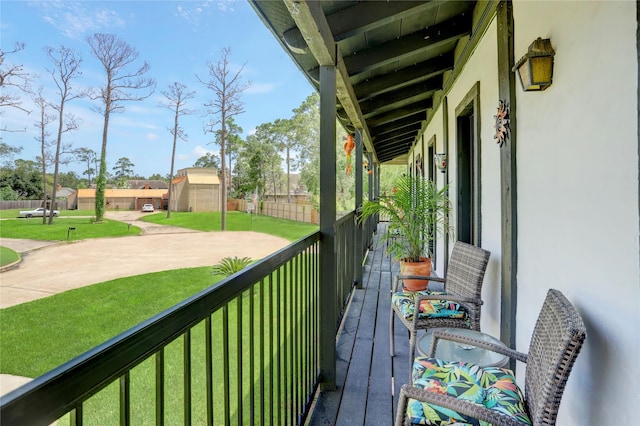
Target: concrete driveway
48,267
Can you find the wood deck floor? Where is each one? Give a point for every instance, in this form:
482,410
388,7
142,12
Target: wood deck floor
368,379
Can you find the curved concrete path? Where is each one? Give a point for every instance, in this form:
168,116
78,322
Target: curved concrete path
49,268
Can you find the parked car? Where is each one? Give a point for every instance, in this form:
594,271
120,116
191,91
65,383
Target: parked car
147,208
37,212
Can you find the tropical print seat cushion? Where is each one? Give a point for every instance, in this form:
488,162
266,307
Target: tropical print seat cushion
405,302
493,387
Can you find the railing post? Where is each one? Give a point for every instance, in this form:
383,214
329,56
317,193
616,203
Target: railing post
360,228
372,223
375,173
328,278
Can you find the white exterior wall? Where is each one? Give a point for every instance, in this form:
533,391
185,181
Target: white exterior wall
577,193
436,129
482,67
577,160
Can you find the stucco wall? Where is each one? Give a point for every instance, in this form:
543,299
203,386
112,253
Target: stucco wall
204,198
482,67
577,193
434,134
578,197
180,197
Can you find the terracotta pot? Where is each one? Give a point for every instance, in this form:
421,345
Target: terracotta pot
416,268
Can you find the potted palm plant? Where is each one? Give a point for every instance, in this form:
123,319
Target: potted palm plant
417,211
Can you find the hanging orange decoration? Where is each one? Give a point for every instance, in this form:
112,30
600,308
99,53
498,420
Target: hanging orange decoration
348,147
369,170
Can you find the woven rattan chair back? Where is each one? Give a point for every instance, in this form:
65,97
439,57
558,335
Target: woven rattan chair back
463,282
556,341
465,275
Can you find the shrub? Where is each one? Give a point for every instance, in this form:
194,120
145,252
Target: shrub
230,265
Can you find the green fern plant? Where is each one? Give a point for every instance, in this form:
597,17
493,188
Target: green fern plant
230,265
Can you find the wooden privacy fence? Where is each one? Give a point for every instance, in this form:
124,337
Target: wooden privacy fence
30,204
292,211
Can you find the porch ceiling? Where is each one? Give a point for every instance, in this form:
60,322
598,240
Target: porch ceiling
390,58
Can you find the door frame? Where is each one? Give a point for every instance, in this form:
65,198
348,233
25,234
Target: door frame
470,105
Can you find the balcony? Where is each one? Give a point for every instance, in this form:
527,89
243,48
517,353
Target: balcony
248,350
368,380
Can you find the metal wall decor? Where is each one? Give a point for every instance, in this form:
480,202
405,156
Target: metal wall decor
501,124
441,161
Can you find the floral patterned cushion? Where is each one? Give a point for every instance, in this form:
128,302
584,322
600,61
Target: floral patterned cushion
493,387
405,302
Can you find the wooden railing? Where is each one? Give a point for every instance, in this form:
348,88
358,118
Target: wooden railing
244,351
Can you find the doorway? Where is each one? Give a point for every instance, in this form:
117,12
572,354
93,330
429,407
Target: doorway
468,169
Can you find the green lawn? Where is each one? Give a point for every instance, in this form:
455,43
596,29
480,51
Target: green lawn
60,228
7,256
40,335
236,221
85,227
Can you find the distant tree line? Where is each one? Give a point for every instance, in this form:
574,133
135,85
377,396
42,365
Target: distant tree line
262,161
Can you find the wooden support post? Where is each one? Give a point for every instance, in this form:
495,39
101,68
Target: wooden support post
328,278
445,148
506,92
359,228
375,173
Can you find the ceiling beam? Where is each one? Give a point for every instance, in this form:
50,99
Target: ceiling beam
392,145
376,120
386,53
402,77
404,131
360,18
418,91
311,21
367,16
397,124
390,150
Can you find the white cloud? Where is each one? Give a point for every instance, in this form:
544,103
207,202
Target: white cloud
75,21
201,151
226,6
192,12
260,88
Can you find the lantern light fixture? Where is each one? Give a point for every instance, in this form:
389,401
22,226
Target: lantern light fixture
441,161
535,68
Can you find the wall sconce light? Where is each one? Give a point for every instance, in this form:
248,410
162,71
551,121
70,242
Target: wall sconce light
441,162
536,67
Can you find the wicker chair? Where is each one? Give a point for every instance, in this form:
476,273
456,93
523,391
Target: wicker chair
556,341
462,291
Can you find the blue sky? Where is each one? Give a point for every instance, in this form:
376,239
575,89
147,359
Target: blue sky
176,38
